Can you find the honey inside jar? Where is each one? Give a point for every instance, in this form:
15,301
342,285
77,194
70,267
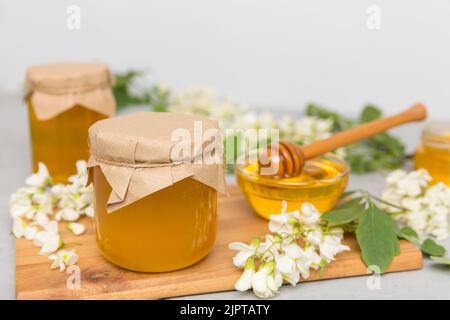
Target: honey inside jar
62,140
434,152
322,181
165,231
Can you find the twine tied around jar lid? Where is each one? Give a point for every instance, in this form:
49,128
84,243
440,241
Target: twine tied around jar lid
55,88
139,154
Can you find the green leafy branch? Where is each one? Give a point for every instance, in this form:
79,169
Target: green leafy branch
376,231
382,151
152,95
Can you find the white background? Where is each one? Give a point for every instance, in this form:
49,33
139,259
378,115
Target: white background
278,54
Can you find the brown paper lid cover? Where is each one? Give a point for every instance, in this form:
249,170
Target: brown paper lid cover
134,153
55,88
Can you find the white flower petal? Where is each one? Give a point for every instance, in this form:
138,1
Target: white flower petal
76,228
245,281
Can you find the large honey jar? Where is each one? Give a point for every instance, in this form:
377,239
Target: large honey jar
155,207
433,154
64,100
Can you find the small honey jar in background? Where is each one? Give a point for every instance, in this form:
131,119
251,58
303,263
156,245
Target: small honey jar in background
64,100
153,213
434,152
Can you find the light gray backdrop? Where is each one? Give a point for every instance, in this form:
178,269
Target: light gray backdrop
264,53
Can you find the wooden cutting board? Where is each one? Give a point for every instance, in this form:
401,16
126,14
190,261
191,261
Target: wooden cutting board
100,279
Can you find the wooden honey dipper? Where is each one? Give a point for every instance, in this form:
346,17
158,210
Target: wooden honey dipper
291,157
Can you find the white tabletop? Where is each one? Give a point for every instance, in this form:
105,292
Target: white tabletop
432,282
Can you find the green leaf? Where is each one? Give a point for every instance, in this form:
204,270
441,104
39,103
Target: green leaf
341,216
409,234
353,203
441,260
382,151
377,238
370,113
432,248
346,194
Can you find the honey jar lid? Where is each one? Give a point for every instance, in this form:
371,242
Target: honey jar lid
55,88
144,152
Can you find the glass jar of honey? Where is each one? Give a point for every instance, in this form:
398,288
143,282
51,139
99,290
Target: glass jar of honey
434,152
64,100
155,209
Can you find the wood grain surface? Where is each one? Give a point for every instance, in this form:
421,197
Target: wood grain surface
102,280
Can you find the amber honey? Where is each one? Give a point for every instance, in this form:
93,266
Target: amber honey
164,231
62,140
64,100
434,152
321,183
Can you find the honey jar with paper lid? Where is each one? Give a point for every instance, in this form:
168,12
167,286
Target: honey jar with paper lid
155,195
64,100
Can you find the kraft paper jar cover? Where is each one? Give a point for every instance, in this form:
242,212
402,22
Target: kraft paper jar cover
134,154
55,88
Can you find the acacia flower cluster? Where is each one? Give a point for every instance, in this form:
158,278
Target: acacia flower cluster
37,208
427,207
300,241
203,101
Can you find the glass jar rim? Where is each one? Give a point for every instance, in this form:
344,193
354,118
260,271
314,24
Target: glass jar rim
240,168
437,134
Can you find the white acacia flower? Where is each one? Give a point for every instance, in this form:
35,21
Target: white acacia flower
41,218
394,177
80,178
245,281
411,191
245,251
437,224
63,259
413,183
266,281
89,211
198,100
308,260
30,232
48,239
33,207
19,226
76,228
286,265
310,129
314,237
283,222
50,243
330,246
337,232
40,179
310,215
67,214
281,256
304,258
21,208
286,126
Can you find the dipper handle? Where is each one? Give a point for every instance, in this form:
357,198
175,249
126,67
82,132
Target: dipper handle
415,113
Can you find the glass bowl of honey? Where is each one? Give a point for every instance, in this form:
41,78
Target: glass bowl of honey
321,183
